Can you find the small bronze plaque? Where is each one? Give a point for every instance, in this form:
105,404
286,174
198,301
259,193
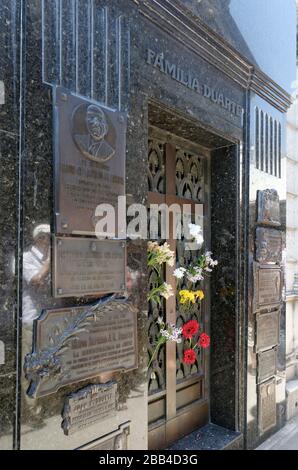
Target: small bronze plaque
75,344
267,405
268,207
85,266
267,286
267,364
89,163
116,440
88,406
267,330
268,245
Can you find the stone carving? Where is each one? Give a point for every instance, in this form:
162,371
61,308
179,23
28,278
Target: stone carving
90,127
268,245
46,363
268,207
89,406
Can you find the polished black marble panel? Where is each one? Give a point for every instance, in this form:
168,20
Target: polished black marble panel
210,437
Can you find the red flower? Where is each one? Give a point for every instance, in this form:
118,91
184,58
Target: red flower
190,329
189,356
204,341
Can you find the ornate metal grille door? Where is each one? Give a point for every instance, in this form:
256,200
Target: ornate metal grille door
178,393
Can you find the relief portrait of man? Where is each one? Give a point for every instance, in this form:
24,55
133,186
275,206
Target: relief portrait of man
90,129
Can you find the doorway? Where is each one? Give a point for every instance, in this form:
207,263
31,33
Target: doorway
178,394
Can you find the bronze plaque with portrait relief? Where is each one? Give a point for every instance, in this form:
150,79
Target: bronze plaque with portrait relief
267,330
268,245
267,405
90,147
80,343
116,440
88,406
267,286
85,266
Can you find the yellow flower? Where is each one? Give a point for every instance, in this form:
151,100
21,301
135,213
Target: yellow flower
187,296
190,297
200,294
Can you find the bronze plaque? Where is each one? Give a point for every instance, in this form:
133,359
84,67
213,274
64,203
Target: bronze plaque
268,245
267,364
88,406
267,286
267,405
89,163
75,344
85,266
116,440
267,330
268,207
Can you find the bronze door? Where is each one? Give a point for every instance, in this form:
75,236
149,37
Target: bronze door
177,393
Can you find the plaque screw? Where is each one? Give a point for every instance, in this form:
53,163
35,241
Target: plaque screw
59,291
121,119
64,97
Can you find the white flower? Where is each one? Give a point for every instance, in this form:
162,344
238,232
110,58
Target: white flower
165,334
194,230
199,239
208,270
159,321
195,275
179,273
167,291
213,263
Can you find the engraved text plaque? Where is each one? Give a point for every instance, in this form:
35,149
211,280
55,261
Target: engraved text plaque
267,405
267,286
75,344
89,163
267,364
89,406
83,266
268,245
267,330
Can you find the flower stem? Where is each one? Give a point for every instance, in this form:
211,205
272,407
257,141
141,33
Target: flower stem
154,353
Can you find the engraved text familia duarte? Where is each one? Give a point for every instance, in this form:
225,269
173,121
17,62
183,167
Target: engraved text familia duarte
159,61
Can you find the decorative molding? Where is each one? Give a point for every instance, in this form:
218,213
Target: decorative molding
178,21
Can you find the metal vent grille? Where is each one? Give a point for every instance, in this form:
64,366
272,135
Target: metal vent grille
267,143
